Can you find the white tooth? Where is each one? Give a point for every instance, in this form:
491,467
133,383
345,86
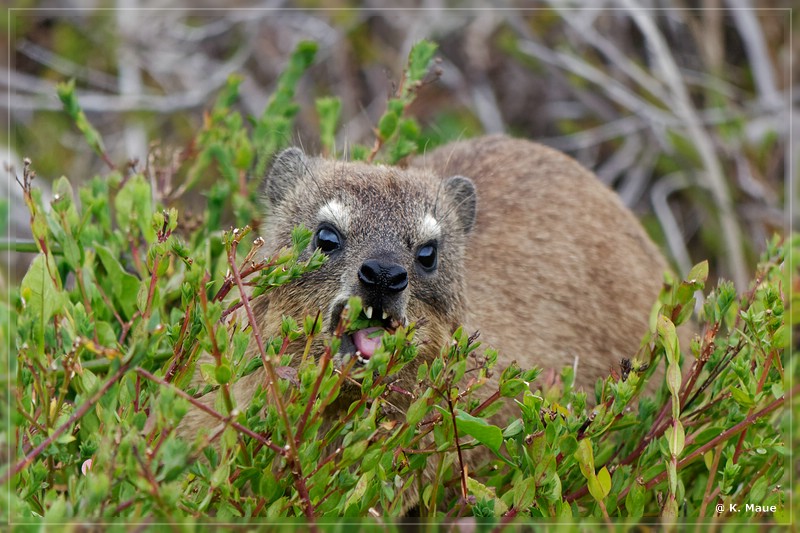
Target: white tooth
385,315
368,311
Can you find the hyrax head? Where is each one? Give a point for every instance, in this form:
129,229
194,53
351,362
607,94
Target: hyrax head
396,238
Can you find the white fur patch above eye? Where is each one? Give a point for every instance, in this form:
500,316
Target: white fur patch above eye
431,230
336,213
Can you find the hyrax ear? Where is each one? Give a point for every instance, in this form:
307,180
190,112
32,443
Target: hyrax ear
461,192
287,168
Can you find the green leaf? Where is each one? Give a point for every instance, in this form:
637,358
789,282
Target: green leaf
229,94
604,479
419,59
742,397
124,286
359,489
512,387
387,125
585,458
66,93
759,490
328,110
674,378
514,428
708,459
668,337
141,296
223,374
42,297
524,493
481,430
569,444
134,208
482,492
416,411
595,489
698,273
676,438
422,372
634,501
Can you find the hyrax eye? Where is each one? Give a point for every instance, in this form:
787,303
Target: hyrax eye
327,239
426,256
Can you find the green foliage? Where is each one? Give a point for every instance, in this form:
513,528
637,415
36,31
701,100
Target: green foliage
66,93
397,134
328,110
272,130
116,310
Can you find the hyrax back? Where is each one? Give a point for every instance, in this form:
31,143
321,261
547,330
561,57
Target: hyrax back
558,270
510,238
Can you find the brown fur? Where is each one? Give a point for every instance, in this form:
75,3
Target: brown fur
557,267
552,269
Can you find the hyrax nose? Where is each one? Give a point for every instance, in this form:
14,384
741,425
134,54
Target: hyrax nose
385,277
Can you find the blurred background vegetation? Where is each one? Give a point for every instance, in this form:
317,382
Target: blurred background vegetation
684,109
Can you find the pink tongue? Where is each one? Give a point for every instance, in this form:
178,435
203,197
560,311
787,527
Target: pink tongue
367,341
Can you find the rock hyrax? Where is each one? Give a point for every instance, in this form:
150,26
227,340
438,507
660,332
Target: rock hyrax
507,237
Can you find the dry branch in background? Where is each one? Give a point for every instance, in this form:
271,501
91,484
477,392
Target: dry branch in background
636,94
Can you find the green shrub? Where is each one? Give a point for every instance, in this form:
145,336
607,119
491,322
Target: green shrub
120,302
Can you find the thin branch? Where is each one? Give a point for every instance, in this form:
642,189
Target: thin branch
659,196
684,109
613,88
272,382
589,34
722,437
208,410
756,49
79,412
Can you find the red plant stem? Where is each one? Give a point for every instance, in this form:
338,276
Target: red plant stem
697,367
109,305
228,284
79,412
212,334
122,506
461,467
86,303
323,365
711,475
293,455
659,425
148,474
486,403
725,435
229,310
136,397
759,388
327,460
107,160
509,517
178,351
222,418
151,290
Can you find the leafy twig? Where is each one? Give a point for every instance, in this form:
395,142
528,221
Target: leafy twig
79,412
272,382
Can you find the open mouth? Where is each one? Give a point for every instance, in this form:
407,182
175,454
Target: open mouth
363,336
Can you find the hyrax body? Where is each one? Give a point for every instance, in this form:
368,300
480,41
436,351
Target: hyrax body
507,237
